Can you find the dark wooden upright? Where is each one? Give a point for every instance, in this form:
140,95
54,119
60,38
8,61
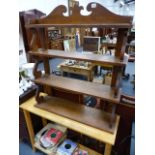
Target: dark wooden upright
25,17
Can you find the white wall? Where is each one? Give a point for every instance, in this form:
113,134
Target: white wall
114,7
47,6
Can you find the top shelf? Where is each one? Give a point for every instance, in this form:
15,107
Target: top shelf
98,90
99,17
94,58
116,25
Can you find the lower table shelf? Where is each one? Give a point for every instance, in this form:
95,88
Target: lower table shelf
90,151
101,135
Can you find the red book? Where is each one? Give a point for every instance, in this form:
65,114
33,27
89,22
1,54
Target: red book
53,136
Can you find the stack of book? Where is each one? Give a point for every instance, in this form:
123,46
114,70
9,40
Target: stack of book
66,148
48,139
69,147
79,151
52,140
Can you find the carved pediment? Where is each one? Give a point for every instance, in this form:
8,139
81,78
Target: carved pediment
100,16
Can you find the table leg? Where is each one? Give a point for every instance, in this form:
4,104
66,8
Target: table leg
108,149
30,128
113,114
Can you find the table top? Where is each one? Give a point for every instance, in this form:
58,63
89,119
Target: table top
74,66
97,134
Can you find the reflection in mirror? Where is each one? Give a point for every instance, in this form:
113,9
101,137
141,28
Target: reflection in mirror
97,40
87,39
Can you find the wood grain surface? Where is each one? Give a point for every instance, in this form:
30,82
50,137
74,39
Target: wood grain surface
78,112
104,92
82,128
94,58
100,15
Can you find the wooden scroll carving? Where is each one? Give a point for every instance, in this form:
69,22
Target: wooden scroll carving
100,16
36,73
39,98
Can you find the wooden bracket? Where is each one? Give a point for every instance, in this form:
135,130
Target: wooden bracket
38,98
36,73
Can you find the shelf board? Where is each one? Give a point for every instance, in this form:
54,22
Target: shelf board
117,25
90,151
82,128
102,91
91,116
94,58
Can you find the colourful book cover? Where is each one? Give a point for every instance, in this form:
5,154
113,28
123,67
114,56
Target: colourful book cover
51,138
78,151
67,147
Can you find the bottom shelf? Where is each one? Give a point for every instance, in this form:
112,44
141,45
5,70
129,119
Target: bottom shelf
93,117
90,151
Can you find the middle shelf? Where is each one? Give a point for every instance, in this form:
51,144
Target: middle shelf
101,91
97,59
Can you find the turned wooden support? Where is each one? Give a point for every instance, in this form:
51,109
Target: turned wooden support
33,41
46,65
38,98
121,43
113,115
43,37
47,89
116,79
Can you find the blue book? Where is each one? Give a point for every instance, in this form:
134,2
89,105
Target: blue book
67,147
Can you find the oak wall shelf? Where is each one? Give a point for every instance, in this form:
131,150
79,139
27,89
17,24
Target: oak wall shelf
99,17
